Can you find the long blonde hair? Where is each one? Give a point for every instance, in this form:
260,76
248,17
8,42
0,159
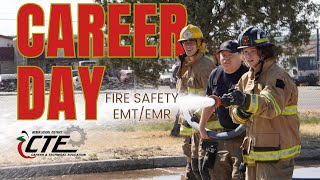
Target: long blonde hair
201,46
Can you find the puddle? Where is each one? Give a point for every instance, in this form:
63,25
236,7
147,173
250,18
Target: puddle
173,173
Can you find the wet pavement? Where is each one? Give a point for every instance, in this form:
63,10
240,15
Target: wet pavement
172,173
303,170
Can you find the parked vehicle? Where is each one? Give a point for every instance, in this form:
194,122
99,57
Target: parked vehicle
167,78
75,79
126,76
47,82
8,82
89,63
175,69
306,70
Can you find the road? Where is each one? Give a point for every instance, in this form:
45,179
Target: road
309,98
303,169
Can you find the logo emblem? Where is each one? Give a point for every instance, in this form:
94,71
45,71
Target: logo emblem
20,150
37,144
187,34
245,41
79,130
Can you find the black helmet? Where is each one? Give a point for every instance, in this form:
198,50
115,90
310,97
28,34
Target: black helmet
253,37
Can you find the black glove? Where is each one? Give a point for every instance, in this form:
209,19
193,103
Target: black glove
235,97
194,118
210,146
242,113
210,156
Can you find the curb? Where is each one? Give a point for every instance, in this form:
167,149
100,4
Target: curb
102,166
90,167
308,155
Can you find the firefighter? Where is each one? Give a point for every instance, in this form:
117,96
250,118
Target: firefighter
193,80
266,102
221,80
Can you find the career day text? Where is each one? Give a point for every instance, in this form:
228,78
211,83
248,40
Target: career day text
90,44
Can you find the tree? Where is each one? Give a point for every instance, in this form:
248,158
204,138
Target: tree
146,71
290,22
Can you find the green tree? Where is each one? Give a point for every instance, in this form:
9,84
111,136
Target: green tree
145,70
290,22
287,22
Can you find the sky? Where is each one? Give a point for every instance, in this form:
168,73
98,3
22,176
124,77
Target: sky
9,10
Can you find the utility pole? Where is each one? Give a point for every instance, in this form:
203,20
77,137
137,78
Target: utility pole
318,64
318,45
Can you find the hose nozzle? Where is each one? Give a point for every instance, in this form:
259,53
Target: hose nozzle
217,101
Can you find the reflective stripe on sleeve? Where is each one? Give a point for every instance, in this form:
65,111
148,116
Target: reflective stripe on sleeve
238,118
212,125
290,110
184,131
270,97
253,104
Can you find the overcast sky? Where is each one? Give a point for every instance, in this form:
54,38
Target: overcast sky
9,10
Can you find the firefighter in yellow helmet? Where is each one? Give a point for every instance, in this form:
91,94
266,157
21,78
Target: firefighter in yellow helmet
193,80
266,102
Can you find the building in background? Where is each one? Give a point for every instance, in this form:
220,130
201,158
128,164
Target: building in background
7,61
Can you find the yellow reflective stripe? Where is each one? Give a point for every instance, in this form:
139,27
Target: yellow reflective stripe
198,113
196,91
290,110
253,104
237,118
261,40
213,125
248,160
185,131
269,96
275,155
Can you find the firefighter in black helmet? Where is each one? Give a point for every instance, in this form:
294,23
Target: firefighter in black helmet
265,100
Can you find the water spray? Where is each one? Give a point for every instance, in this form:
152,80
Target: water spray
215,102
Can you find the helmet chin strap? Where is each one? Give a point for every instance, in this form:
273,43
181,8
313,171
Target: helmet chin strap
196,52
198,47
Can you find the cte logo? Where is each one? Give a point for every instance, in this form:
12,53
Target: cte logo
38,144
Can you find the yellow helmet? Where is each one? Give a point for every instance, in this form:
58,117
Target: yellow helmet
190,32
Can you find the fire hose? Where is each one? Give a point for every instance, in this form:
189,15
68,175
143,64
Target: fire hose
222,135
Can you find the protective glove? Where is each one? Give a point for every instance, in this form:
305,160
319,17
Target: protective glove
234,97
209,145
211,148
242,113
194,118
